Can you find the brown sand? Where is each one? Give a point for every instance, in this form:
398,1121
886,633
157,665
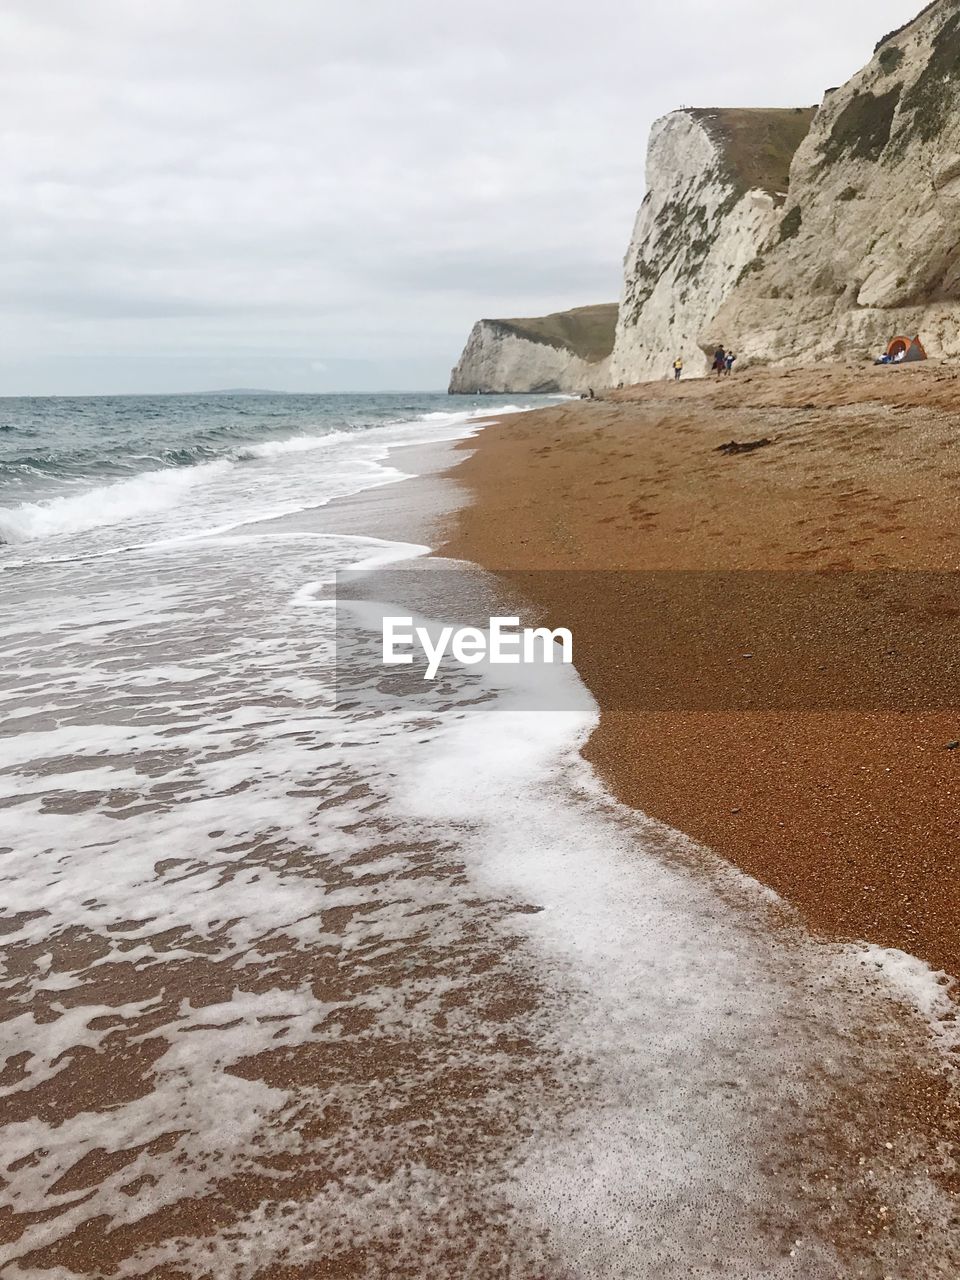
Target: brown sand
452,1115
851,816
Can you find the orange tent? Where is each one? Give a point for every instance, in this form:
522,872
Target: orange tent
912,346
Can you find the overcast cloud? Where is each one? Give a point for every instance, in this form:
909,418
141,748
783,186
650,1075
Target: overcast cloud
325,194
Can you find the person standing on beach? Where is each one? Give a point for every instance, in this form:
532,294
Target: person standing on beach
728,363
719,361
677,368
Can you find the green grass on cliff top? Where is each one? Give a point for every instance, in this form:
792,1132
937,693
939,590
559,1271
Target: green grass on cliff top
758,142
586,331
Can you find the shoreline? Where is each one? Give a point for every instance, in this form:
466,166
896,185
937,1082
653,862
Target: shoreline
841,1199
457,936
913,1106
851,816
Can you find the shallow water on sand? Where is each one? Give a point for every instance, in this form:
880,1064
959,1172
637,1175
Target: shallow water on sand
393,988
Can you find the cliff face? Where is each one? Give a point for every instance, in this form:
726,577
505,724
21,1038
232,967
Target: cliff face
567,352
715,184
868,246
787,235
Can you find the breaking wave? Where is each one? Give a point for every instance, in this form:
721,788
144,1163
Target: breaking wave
297,444
145,494
157,479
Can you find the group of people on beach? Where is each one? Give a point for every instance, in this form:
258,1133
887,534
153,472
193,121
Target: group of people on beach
722,364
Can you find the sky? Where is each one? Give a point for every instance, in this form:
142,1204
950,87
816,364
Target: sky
324,195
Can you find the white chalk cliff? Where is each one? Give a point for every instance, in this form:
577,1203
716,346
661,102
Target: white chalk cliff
566,352
716,181
789,235
869,241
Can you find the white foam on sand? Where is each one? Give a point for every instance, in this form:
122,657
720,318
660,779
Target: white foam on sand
615,1053
697,1033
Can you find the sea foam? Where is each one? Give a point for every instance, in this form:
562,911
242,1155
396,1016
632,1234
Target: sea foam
413,975
147,493
354,461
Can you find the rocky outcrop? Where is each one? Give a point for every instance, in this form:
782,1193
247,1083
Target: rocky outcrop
716,183
567,352
868,242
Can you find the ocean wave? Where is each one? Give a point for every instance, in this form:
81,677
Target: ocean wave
467,415
106,462
296,444
147,493
171,473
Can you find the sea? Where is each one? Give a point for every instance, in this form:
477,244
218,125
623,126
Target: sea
297,984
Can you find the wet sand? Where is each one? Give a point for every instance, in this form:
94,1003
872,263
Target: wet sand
851,815
325,1057
373,1059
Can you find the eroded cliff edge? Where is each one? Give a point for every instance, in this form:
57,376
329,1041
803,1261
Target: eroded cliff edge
566,352
869,242
789,235
716,183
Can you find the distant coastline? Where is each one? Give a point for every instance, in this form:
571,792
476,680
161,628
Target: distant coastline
240,391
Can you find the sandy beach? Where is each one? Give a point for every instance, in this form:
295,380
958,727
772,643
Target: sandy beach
480,644
392,987
851,815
